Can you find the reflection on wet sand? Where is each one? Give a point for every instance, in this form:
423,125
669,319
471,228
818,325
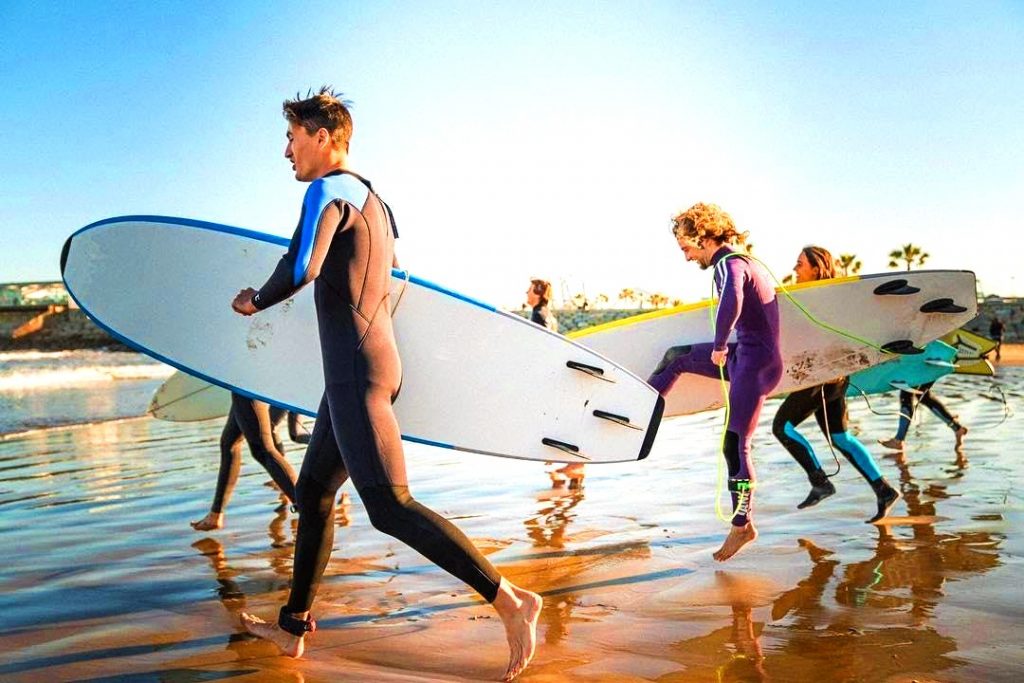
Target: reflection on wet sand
107,580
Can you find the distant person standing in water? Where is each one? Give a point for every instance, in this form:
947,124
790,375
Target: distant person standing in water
995,330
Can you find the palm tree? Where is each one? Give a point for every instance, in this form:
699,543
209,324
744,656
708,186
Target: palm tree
601,299
911,254
580,301
849,263
627,295
657,300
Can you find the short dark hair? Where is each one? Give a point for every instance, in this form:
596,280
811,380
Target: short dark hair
326,109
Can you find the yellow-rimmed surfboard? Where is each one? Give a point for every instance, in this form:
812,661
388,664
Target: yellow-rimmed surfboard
971,349
902,311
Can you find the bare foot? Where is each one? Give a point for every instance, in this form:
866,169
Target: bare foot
960,434
290,645
518,609
738,537
211,522
892,444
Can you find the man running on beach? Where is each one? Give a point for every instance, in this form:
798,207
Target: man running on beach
752,365
344,243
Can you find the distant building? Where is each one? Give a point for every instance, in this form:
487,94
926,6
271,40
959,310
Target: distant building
33,293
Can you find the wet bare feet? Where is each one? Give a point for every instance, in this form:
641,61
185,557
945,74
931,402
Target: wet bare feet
892,444
960,434
292,646
518,609
211,522
738,537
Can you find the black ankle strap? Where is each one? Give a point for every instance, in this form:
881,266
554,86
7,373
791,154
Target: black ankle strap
296,627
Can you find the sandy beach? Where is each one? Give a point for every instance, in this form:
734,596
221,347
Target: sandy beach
104,579
1011,354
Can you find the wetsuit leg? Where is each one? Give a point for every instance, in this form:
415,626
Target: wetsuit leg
753,376
832,419
796,408
939,409
695,359
907,407
322,473
230,463
371,446
254,418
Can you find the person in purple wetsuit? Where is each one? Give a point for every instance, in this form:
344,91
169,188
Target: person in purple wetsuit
752,364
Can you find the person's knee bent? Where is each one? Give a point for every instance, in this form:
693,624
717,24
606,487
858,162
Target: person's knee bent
779,428
386,507
670,356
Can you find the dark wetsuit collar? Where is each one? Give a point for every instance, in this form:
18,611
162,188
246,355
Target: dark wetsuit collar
722,252
345,171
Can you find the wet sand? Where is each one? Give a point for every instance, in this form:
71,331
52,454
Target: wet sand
104,578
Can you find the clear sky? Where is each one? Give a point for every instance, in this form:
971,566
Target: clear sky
519,139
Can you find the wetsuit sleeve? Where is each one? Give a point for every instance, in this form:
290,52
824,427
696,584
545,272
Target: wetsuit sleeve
730,274
306,252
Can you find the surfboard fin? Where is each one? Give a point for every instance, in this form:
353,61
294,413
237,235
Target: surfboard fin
904,347
896,287
617,419
564,447
942,306
591,370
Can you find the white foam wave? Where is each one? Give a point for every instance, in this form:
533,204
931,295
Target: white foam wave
20,356
48,379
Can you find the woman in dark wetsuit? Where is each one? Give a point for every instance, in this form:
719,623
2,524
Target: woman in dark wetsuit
255,422
827,403
344,244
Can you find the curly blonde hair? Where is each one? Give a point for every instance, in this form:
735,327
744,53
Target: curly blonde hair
707,220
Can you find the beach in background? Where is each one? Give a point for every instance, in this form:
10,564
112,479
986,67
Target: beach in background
105,579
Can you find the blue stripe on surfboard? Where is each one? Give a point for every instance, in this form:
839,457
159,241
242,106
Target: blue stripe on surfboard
271,239
206,378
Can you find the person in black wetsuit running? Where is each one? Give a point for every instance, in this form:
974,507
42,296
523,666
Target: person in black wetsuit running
827,403
255,422
344,244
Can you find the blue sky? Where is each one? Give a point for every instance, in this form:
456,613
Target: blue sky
532,139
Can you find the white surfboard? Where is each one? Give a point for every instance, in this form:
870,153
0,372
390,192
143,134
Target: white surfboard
184,398
475,378
902,309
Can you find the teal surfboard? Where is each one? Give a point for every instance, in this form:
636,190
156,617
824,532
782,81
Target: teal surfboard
905,372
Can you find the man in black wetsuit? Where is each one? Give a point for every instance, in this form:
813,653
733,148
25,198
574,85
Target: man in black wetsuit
344,243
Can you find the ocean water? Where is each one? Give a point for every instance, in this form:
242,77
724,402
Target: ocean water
104,578
49,388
